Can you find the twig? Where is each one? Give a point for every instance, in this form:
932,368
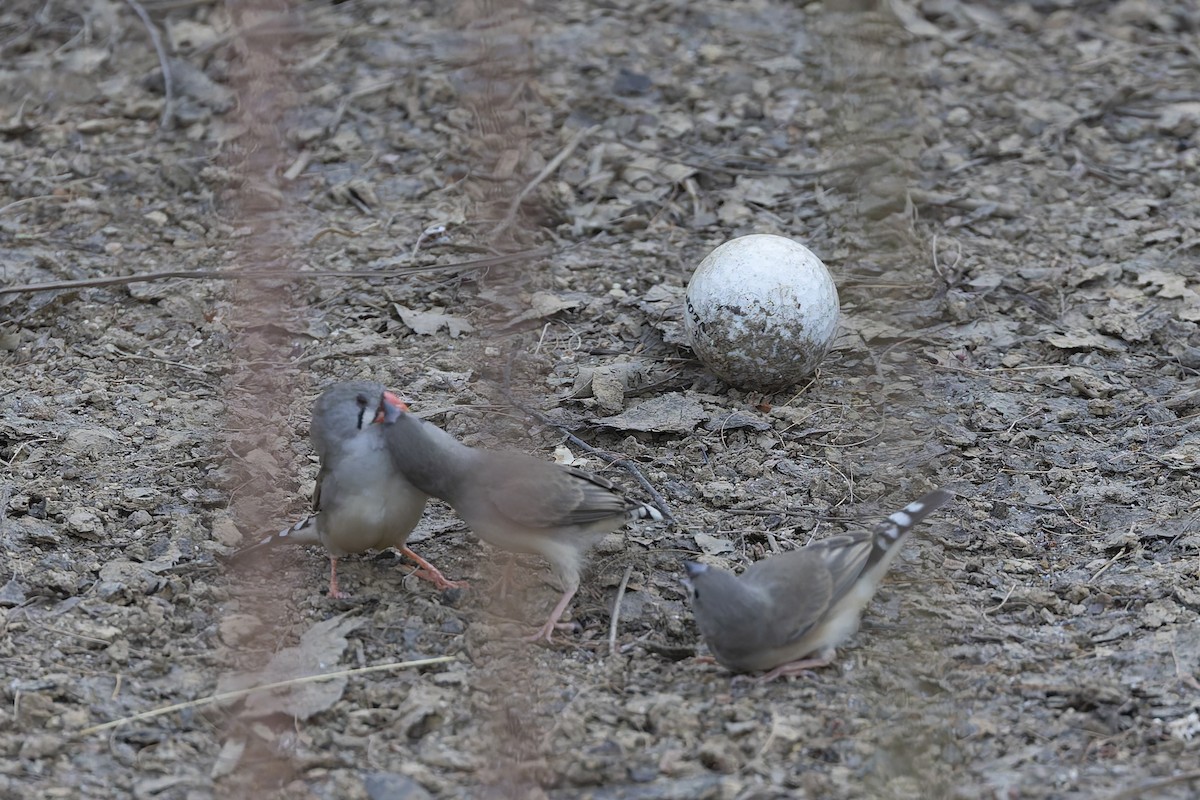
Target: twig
252,275
1162,783
179,364
168,83
616,614
235,694
924,198
34,199
334,230
1002,602
1104,568
747,169
511,215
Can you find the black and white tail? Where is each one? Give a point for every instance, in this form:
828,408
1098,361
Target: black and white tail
645,511
303,532
897,525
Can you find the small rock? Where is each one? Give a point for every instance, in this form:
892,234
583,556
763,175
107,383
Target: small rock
225,532
453,596
118,651
611,544
958,117
140,497
84,522
12,594
608,387
237,628
40,745
390,786
718,756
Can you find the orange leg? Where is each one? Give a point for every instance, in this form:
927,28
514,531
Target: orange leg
797,667
552,624
334,592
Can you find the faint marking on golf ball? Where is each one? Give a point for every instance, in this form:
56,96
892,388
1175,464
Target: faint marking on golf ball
762,311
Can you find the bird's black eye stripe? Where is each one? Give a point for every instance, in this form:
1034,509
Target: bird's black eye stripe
363,403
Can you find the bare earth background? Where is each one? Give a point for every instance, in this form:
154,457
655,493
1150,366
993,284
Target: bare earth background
1005,192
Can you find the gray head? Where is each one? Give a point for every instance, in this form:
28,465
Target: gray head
734,616
693,570
717,595
342,411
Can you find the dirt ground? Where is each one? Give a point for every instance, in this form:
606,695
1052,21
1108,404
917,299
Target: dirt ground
1006,194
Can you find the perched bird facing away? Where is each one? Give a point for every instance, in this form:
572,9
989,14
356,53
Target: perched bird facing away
361,501
788,612
513,501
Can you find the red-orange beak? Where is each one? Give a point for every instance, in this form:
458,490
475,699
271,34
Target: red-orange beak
390,406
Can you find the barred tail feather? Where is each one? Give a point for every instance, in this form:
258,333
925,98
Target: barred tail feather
897,525
645,511
303,532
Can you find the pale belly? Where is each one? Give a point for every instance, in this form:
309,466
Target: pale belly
373,518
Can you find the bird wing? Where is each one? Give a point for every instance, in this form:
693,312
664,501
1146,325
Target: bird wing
322,473
536,494
845,557
801,587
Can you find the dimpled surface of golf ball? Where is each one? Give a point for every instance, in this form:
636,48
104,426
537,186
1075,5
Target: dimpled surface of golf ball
761,312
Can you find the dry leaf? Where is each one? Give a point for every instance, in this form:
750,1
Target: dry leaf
713,545
1085,341
542,305
427,323
228,758
564,456
668,413
319,651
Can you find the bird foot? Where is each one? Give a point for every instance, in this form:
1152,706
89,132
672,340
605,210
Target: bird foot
432,574
804,666
439,580
547,630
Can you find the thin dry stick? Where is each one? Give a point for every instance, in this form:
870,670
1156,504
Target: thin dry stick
1002,602
254,275
164,122
1124,552
924,198
511,215
24,201
616,614
750,169
1162,783
223,696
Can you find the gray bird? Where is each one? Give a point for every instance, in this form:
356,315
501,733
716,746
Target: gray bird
788,612
361,502
513,501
